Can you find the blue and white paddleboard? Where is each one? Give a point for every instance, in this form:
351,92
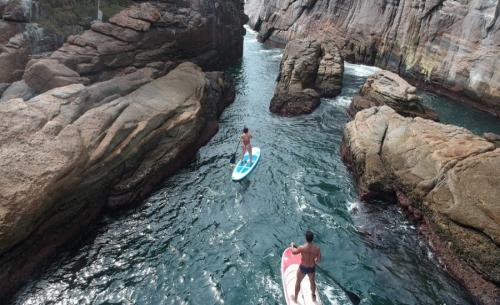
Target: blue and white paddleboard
243,168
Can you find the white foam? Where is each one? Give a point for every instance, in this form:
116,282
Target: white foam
330,293
214,287
340,100
351,205
360,70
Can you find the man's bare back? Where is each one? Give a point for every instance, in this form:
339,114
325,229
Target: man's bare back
311,254
247,147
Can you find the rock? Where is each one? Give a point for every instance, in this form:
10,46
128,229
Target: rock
13,57
387,88
309,69
151,32
117,32
449,46
3,87
330,70
17,10
448,174
17,89
106,146
493,138
46,74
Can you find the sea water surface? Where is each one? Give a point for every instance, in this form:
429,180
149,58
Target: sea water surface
202,239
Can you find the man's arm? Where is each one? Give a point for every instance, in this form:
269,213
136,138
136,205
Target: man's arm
295,250
318,258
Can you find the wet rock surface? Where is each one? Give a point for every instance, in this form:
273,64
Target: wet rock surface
309,70
444,176
387,88
449,46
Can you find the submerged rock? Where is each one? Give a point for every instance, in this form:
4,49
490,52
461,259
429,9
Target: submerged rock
450,46
387,88
443,173
70,153
310,69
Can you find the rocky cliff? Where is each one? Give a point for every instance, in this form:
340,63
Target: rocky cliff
443,176
309,70
95,125
449,46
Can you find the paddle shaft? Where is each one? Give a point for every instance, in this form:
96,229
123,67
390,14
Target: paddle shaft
233,158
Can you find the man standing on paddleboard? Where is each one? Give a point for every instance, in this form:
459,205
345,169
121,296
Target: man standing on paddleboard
245,140
311,256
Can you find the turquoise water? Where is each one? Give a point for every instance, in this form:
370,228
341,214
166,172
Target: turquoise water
202,239
451,112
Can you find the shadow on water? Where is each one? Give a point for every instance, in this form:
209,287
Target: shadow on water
203,239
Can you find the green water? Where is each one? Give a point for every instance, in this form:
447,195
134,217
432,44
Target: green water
202,239
451,112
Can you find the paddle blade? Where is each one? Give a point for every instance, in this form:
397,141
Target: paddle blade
233,159
354,298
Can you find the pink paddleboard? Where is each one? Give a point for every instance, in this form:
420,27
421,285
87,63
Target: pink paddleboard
289,266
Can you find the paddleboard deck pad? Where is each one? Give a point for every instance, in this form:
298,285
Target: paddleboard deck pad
289,266
243,168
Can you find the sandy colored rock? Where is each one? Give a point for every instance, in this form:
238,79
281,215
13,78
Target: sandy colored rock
387,88
309,70
151,32
105,147
447,172
46,74
450,46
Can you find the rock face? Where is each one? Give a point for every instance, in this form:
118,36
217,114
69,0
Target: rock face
443,175
74,151
452,46
309,70
387,88
147,32
120,109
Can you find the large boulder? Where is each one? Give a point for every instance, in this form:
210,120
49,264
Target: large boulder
13,55
3,87
17,89
16,10
451,46
45,74
68,154
388,88
443,173
310,69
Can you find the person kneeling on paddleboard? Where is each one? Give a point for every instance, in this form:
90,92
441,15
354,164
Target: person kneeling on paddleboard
245,139
311,256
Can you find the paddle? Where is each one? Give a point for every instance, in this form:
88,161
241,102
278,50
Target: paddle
354,298
233,157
